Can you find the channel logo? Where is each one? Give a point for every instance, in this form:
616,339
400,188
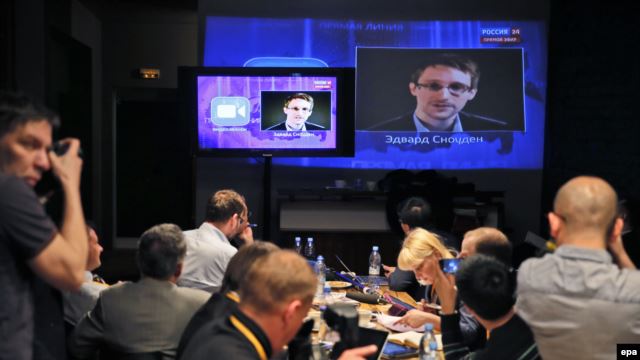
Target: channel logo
500,35
230,111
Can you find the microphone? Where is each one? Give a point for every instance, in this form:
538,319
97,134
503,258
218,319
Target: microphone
366,298
368,290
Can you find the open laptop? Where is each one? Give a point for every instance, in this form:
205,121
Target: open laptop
368,336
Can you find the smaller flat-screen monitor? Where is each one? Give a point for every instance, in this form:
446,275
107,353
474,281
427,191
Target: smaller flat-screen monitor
270,111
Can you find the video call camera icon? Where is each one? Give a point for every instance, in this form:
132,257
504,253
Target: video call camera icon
230,111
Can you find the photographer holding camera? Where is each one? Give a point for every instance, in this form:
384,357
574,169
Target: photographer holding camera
30,244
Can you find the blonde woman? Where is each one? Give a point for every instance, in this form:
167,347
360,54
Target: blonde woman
420,253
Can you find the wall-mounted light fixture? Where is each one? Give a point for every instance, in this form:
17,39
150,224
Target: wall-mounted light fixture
148,73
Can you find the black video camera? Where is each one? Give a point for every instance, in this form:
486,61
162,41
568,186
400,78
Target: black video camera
342,318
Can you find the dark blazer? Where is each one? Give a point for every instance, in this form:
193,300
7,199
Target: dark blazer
146,316
217,307
469,122
310,127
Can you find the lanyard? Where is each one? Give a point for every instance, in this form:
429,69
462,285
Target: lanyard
233,296
250,336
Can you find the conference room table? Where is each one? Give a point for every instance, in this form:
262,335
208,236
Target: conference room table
384,308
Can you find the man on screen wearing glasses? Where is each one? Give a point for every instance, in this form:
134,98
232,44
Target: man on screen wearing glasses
298,107
442,86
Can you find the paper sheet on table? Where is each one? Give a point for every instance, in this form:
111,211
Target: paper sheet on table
389,322
339,297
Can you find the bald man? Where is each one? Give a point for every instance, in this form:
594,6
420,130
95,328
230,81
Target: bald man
487,241
577,301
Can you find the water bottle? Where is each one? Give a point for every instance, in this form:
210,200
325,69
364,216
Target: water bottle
374,262
298,245
320,270
326,297
428,344
309,249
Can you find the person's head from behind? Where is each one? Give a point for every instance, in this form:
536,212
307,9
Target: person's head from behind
95,249
585,213
486,287
241,262
298,107
279,288
25,137
443,85
161,250
487,241
420,253
412,213
228,211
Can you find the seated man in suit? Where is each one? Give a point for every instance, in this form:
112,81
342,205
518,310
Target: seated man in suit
144,316
442,87
298,107
275,297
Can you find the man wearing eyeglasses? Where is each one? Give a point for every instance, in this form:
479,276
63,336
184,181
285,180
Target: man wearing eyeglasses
442,87
209,247
298,107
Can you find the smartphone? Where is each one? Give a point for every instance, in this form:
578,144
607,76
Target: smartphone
450,266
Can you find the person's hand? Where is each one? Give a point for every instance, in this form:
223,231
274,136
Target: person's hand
388,270
416,318
446,290
427,307
246,236
620,255
67,167
359,353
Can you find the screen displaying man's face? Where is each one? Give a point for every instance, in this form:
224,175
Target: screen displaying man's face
298,111
436,93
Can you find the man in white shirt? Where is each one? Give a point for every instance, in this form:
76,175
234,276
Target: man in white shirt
208,247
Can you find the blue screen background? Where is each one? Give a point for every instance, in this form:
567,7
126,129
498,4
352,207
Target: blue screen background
236,41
